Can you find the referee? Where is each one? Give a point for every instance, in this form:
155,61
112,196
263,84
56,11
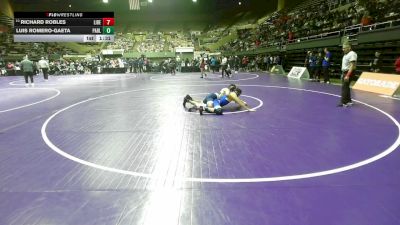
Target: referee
348,68
27,68
44,66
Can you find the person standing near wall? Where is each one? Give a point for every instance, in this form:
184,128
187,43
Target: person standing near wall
348,68
27,68
202,66
376,64
318,66
44,66
179,63
326,63
397,65
224,66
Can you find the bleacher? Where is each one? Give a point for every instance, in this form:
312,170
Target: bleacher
383,35
390,50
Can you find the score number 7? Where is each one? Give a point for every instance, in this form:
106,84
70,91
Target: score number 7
108,21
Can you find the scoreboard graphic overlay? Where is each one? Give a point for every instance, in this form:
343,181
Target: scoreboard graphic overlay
64,27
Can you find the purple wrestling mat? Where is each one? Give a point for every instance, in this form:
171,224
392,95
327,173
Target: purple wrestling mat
121,149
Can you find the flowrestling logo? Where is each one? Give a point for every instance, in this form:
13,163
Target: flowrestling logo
379,83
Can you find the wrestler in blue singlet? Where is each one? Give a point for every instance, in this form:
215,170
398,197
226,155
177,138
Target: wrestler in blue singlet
219,99
210,97
219,103
223,101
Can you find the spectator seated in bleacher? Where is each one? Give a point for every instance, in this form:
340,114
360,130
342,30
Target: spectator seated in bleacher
283,26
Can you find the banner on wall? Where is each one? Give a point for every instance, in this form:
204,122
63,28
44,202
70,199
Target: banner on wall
380,83
112,51
184,49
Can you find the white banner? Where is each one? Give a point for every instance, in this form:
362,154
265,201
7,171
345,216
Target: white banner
112,51
184,49
299,72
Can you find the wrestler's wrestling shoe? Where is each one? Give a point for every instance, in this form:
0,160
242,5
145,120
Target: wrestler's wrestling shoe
186,99
201,109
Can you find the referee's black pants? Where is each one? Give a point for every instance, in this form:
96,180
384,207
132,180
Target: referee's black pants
223,68
45,73
325,72
30,75
346,95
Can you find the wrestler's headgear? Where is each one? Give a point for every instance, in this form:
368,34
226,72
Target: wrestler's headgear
232,87
238,91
